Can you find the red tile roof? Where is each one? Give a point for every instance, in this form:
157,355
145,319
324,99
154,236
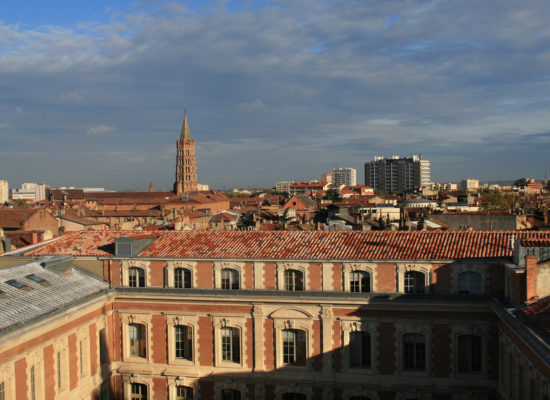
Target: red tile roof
14,218
538,314
335,245
535,243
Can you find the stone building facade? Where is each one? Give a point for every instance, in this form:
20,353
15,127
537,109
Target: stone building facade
301,315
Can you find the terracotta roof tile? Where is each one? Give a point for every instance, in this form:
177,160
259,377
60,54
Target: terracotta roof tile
15,217
373,245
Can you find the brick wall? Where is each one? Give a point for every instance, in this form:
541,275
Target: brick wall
21,380
160,388
315,276
386,344
270,276
248,276
205,275
157,273
49,372
205,345
385,278
337,284
158,345
269,345
94,353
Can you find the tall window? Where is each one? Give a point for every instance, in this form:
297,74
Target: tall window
138,391
184,342
294,280
414,282
2,391
469,283
359,281
414,352
469,354
58,370
182,278
103,350
293,396
138,340
231,394
230,278
231,345
294,347
184,393
136,277
359,350
32,384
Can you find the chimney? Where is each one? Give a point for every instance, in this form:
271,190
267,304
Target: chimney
531,267
512,242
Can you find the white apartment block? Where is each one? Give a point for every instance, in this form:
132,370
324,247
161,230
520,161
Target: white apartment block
344,176
469,184
4,192
397,173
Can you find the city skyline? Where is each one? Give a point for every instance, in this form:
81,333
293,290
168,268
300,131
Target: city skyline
94,95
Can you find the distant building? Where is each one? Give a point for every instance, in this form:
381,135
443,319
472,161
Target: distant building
283,186
31,192
4,192
397,173
469,184
327,177
344,176
186,165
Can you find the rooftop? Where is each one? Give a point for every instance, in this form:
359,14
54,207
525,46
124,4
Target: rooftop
296,245
24,300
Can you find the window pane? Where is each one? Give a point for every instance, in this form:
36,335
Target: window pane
139,391
294,347
360,281
231,345
414,282
359,350
231,394
138,344
136,277
469,283
414,352
184,393
184,342
294,280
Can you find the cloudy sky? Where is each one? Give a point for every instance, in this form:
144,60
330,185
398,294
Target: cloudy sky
92,93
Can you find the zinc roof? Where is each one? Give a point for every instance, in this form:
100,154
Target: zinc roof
337,245
23,305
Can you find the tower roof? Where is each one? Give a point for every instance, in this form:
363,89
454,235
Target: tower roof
185,135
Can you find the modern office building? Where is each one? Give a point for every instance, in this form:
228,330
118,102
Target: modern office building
344,176
397,173
277,316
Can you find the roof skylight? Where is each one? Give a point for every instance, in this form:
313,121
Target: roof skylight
36,278
16,284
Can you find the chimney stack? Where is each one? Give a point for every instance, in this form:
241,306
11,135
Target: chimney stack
531,269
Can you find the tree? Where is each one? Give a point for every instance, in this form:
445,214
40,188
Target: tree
332,195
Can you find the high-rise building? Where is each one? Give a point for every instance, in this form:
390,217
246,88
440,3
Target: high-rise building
4,192
186,165
397,173
344,176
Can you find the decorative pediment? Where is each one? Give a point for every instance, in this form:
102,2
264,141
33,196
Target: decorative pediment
289,313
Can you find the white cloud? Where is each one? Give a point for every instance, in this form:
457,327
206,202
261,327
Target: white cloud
100,130
255,105
19,110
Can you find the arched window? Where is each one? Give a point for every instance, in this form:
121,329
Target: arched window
294,280
231,394
138,340
184,393
414,352
230,278
183,336
138,391
469,283
136,277
293,396
359,281
359,350
415,282
182,278
231,345
359,398
469,354
294,347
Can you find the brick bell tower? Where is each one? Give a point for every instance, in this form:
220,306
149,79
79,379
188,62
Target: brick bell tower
186,166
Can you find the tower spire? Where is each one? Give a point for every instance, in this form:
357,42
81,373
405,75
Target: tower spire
185,135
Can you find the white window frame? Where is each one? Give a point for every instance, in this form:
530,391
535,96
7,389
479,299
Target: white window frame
190,321
171,267
282,267
402,268
419,327
125,266
135,318
239,323
141,379
359,325
238,266
349,268
292,319
174,382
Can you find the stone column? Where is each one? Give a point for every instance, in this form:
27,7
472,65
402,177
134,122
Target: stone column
258,317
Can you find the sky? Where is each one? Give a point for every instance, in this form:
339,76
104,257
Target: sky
93,93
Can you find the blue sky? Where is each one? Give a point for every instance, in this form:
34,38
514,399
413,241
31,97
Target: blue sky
92,93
